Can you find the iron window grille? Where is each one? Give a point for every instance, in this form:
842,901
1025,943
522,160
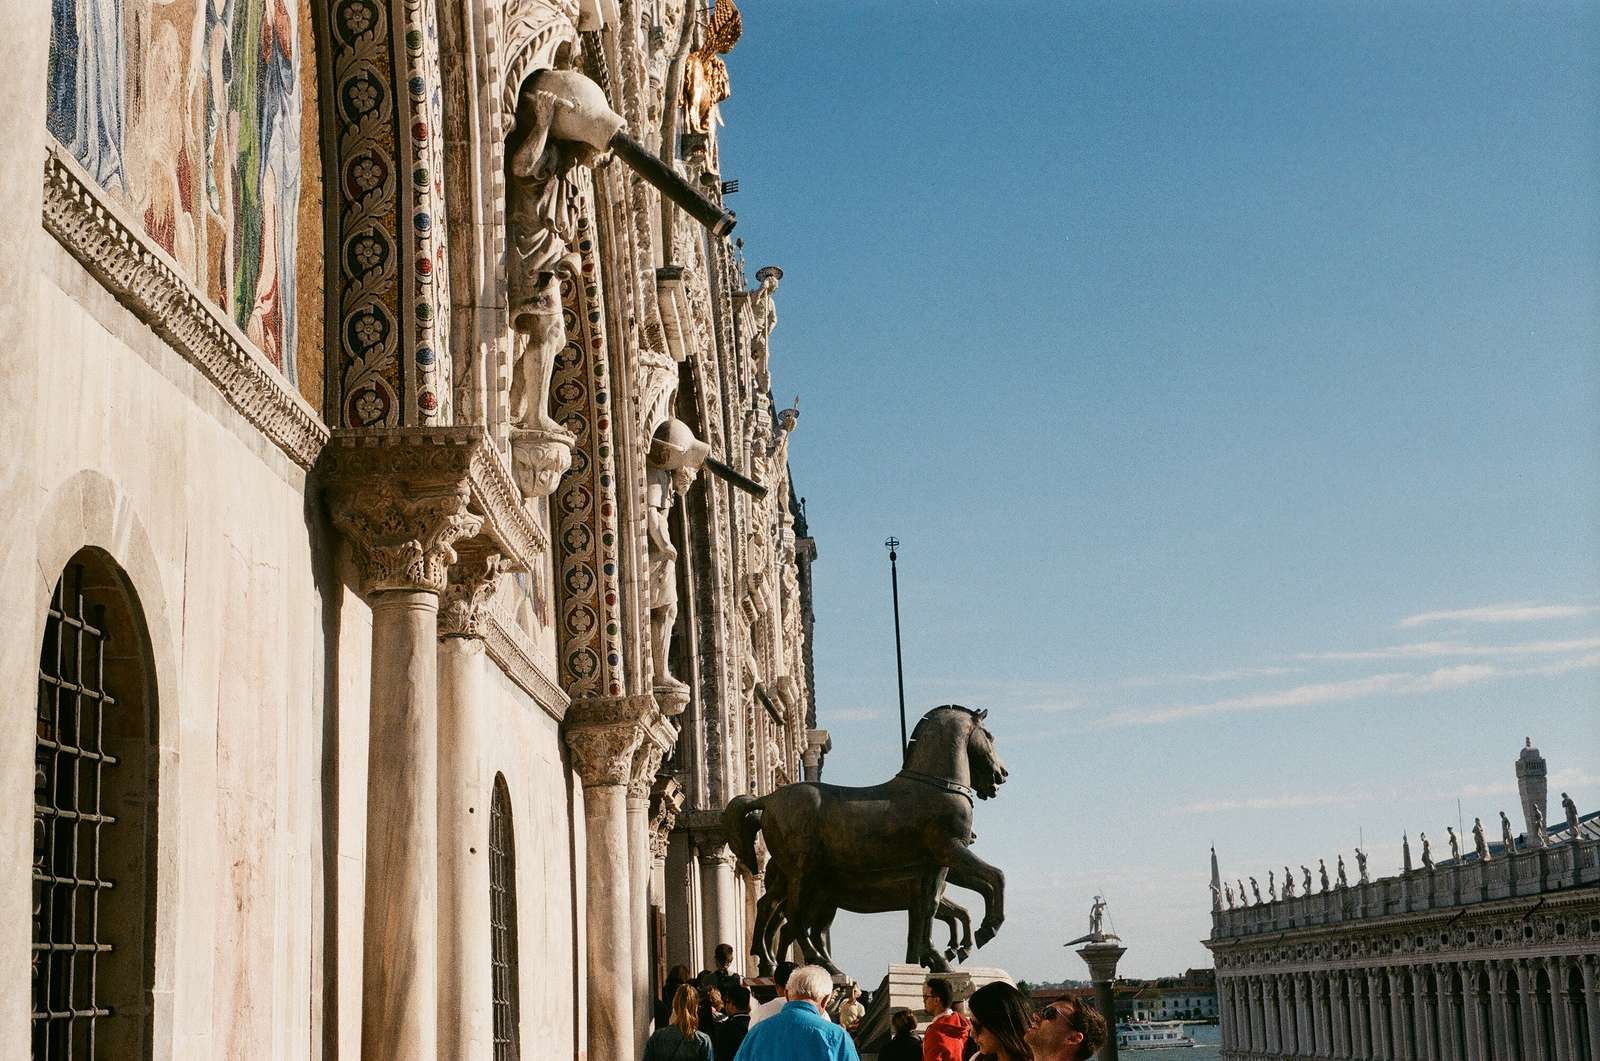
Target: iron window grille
503,925
71,765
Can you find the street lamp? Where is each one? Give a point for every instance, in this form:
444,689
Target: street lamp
893,544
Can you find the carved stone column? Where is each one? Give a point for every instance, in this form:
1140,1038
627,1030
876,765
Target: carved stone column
1225,1022
642,776
1272,1004
1449,1046
719,892
818,745
403,533
603,736
1591,996
1322,1043
1422,1014
1258,1041
466,993
1378,1010
1499,1014
1476,1031
1555,969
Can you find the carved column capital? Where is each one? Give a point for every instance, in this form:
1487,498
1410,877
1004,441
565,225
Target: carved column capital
604,734
666,800
403,540
642,773
464,605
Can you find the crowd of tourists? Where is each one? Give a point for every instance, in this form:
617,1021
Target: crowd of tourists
712,1018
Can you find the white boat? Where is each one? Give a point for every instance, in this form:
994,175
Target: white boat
1152,1035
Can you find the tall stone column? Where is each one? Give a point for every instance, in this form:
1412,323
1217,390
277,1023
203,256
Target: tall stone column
1499,976
1225,1022
402,535
818,745
1399,1017
1533,1044
1102,958
1322,1007
1477,1033
642,775
1338,1015
1422,1012
719,891
1555,969
1378,1006
466,993
1449,1046
1269,1006
1258,1022
1590,969
603,734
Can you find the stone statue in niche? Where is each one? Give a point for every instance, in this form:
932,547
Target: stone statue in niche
673,462
543,207
1479,844
766,319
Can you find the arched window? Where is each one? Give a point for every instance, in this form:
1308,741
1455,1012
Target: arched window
94,820
503,924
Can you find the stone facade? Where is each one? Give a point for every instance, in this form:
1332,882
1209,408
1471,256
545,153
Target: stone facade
1472,958
486,549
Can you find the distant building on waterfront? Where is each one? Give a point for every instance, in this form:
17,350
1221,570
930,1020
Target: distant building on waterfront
1492,954
1192,996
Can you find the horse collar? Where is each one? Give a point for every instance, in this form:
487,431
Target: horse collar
939,782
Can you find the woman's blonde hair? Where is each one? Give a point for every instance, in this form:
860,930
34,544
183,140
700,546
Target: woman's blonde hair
686,1011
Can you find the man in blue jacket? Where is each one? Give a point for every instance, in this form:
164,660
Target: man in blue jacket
800,1032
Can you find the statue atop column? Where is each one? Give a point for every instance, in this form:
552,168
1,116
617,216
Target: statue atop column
1097,913
1571,810
1479,844
675,458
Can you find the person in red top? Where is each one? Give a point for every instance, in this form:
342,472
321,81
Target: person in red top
946,1035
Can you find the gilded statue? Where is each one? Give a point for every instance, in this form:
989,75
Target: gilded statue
705,75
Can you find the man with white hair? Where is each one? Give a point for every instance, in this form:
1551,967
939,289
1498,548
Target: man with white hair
800,1032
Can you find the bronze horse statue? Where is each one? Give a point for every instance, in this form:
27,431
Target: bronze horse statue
884,847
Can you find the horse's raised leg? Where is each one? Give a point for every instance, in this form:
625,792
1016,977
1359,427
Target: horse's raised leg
919,918
987,881
761,933
955,915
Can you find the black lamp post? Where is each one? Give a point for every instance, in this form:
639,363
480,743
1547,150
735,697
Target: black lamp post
892,544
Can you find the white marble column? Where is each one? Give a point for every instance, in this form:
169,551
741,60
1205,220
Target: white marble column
1258,1035
1379,1008
719,891
1477,1048
1556,969
1590,969
1399,1017
1323,1009
1450,1047
1225,1021
642,774
1422,1013
402,536
603,735
1499,1009
466,991
1533,1044
1339,1016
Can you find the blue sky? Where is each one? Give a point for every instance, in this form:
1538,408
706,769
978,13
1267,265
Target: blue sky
1229,374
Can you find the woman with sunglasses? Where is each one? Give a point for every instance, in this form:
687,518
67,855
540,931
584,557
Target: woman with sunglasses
999,1021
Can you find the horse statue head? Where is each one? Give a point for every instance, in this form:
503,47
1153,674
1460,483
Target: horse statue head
952,743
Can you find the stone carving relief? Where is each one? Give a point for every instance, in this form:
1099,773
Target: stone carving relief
674,461
403,540
464,608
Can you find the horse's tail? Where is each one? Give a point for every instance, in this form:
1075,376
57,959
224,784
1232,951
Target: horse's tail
741,820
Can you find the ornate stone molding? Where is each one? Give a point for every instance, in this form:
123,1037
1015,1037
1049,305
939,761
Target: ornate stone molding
418,463
142,277
604,733
666,800
403,539
507,646
464,605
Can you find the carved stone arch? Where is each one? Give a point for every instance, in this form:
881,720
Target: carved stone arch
388,302
584,509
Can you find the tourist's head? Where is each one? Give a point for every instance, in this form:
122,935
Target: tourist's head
714,999
686,1010
781,977
999,1019
723,955
737,999
1066,1030
855,991
937,996
903,1022
812,983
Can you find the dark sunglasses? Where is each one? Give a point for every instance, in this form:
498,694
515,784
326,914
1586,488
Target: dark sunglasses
1050,1013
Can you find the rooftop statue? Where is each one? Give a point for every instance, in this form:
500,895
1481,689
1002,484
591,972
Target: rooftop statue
1479,844
1306,870
1272,888
1322,871
1571,810
1541,837
1244,900
1361,865
1505,834
1342,880
1288,883
1427,854
1227,893
1455,844
905,837
1255,890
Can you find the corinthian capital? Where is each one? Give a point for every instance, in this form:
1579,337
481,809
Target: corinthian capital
604,735
464,606
403,540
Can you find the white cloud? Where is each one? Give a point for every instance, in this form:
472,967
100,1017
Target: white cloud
1445,649
850,714
1295,696
1285,802
1501,613
1229,675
